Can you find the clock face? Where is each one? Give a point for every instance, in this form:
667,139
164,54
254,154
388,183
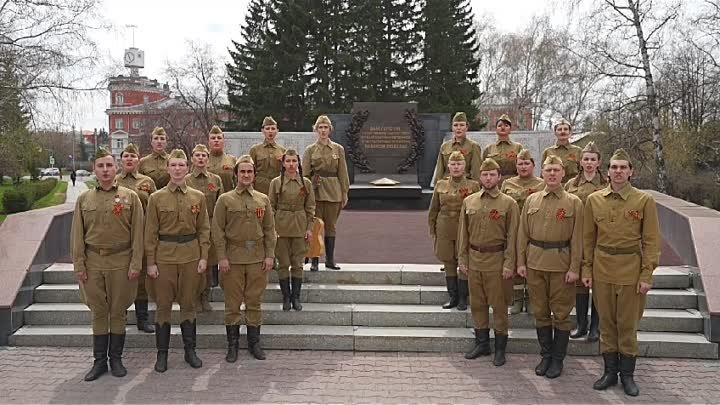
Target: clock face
129,57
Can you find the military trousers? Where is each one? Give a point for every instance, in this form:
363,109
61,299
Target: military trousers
290,253
329,212
551,298
486,291
108,294
620,308
177,283
142,291
244,283
446,252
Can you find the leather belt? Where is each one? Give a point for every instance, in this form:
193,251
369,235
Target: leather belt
247,244
102,251
488,249
325,174
550,245
619,251
178,238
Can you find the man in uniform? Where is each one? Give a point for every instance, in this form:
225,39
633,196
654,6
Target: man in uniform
569,153
621,251
143,186
244,235
106,240
459,142
211,186
486,252
177,240
155,164
549,256
221,163
267,156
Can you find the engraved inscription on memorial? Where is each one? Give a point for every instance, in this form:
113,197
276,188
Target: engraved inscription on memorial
393,141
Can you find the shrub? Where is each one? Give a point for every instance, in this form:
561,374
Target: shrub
15,201
22,197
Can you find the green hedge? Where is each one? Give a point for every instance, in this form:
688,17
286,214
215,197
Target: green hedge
22,197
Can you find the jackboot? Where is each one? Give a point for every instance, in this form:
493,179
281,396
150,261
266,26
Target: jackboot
500,345
610,376
115,351
545,338
233,337
214,276
253,340
141,315
205,301
462,294
452,288
162,342
285,289
330,253
295,294
189,337
482,344
517,305
314,264
581,309
100,354
559,351
627,373
594,334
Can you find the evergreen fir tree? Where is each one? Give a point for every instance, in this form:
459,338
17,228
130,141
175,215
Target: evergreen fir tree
15,139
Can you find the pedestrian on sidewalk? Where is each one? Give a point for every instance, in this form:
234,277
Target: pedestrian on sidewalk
73,176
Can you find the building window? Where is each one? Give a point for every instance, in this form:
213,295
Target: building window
119,144
146,99
119,99
119,124
137,123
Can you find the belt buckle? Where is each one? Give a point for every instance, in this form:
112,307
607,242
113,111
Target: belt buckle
104,252
249,244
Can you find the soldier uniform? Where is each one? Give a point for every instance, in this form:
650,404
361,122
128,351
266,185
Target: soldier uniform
326,167
106,243
519,188
569,153
222,164
177,236
293,202
244,234
155,164
582,187
621,250
504,152
486,247
268,160
143,186
211,186
550,245
469,148
443,220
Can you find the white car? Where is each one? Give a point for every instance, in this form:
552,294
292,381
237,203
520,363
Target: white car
51,172
82,173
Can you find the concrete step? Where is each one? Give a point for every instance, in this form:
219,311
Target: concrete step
361,338
369,294
407,274
654,320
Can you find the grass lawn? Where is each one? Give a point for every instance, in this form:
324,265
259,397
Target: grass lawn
3,188
55,197
91,184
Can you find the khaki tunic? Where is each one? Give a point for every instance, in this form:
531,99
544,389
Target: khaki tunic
520,188
326,167
584,187
142,185
155,167
469,148
212,187
570,155
505,154
268,162
224,166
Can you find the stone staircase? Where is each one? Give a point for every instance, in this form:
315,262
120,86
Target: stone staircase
370,307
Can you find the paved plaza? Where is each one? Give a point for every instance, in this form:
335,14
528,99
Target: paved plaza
55,375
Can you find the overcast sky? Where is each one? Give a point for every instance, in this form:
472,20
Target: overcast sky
163,26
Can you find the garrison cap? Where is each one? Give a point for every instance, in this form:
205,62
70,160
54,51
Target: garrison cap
489,164
291,152
525,154
101,153
215,130
562,121
592,148
178,154
505,118
460,117
620,154
268,121
159,131
131,148
245,159
322,119
456,156
200,148
553,160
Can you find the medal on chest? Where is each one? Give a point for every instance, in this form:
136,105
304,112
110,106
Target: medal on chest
560,214
260,212
118,207
195,209
494,215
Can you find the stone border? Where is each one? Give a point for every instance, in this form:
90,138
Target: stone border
693,232
29,242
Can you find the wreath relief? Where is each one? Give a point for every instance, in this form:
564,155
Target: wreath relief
417,145
355,149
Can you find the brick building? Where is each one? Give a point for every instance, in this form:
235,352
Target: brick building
522,117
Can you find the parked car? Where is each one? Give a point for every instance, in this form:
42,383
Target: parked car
51,172
82,173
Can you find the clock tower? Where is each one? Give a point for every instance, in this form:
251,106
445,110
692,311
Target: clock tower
135,60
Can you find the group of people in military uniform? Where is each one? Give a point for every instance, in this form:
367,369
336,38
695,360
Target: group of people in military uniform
170,228
509,238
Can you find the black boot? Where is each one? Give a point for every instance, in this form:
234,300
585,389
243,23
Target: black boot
627,373
295,294
559,351
253,338
462,294
581,309
452,289
233,337
594,334
189,337
285,289
500,345
100,354
482,344
330,253
162,342
610,376
141,315
214,276
545,338
314,263
117,343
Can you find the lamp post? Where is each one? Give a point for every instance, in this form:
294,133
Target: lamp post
73,142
